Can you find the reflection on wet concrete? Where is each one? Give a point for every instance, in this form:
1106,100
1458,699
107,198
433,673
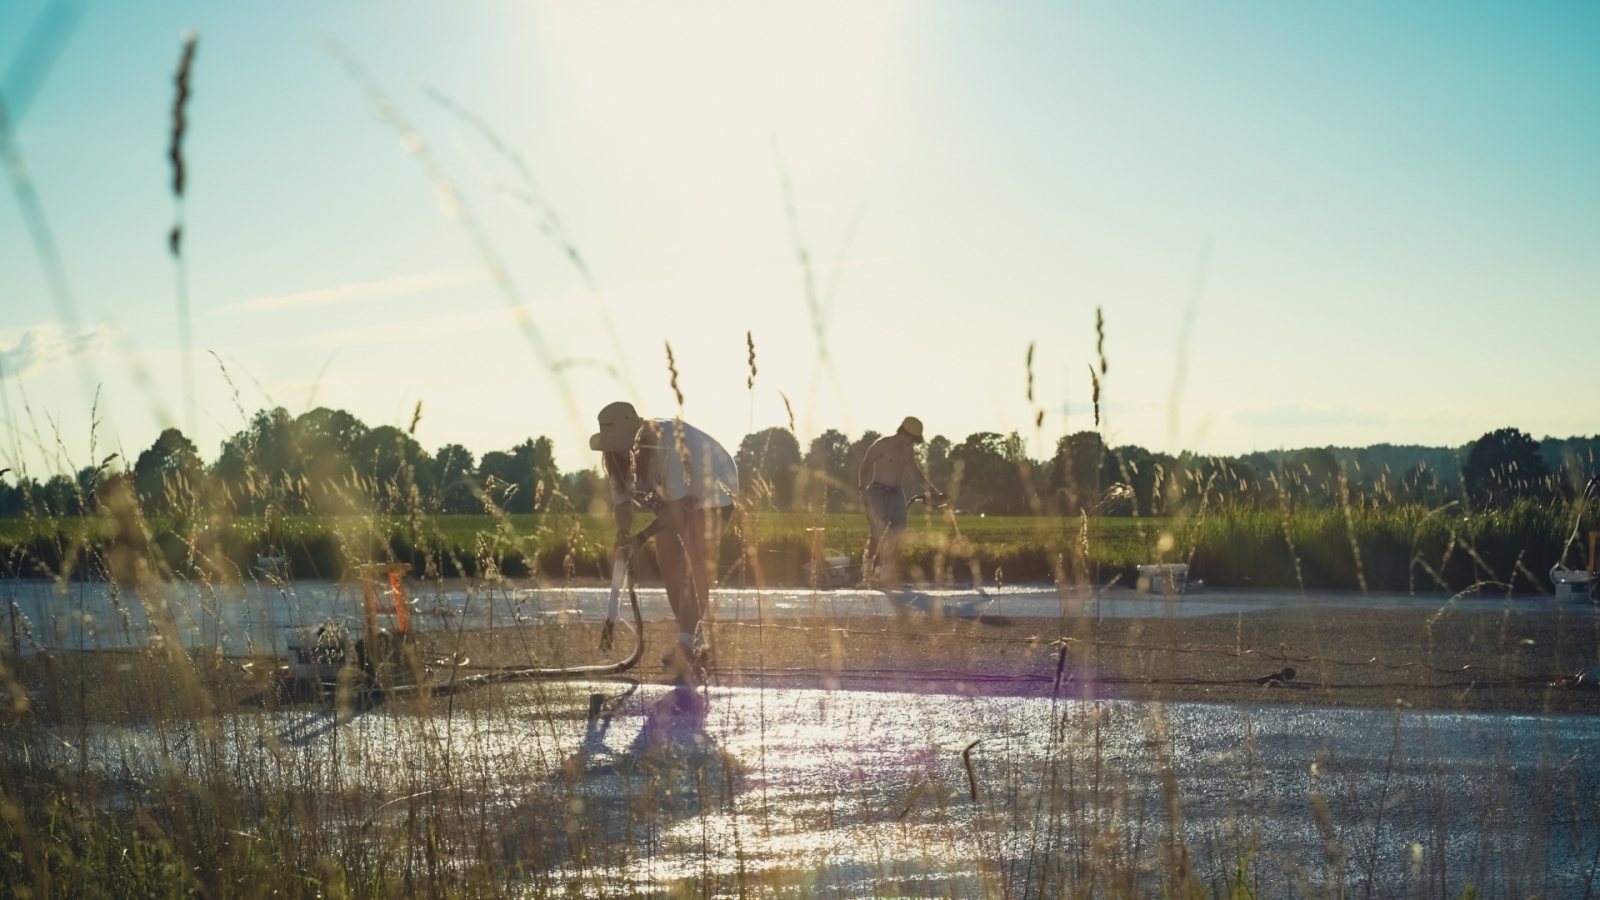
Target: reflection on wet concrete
855,792
623,803
307,731
841,793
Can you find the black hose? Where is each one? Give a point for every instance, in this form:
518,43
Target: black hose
592,671
504,674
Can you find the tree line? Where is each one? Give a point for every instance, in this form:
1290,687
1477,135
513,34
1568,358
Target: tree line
322,461
329,461
991,473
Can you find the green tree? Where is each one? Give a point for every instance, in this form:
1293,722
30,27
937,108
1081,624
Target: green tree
1419,484
328,443
168,473
63,495
1080,472
1311,475
323,461
451,475
526,477
768,461
1572,461
991,480
830,485
936,461
261,465
1140,469
1259,472
18,499
393,466
582,488
1503,465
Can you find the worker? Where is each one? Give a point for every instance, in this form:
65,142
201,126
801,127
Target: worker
688,480
889,463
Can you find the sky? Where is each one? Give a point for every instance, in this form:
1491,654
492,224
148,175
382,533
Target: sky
1303,224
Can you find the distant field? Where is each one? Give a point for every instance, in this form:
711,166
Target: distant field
1408,548
1113,541
842,528
1021,545
1109,538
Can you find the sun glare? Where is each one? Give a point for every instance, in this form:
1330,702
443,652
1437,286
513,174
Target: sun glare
701,83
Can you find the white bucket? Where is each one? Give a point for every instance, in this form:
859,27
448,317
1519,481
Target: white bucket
1166,578
834,573
1571,584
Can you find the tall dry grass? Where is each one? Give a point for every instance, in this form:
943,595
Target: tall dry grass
165,766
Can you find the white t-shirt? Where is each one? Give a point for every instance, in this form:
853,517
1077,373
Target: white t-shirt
711,476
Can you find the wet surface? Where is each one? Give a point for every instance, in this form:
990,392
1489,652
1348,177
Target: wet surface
843,793
258,617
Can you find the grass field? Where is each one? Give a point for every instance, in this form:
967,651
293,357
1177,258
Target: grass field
564,545
1404,548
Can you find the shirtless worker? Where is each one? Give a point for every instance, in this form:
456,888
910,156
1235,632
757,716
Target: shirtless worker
688,480
887,463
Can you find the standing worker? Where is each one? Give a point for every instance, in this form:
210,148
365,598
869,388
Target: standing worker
688,480
889,461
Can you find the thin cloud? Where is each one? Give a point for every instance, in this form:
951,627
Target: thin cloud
43,346
427,329
690,292
561,309
1076,408
365,290
1294,415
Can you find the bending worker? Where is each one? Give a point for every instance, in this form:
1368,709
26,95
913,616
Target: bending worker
689,481
889,462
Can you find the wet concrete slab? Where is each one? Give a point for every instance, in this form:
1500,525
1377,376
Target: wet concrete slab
857,792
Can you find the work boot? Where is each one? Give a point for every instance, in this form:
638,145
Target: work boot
869,580
679,663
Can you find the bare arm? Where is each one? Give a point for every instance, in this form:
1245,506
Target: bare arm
623,514
642,474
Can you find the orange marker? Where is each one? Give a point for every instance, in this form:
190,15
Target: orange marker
402,613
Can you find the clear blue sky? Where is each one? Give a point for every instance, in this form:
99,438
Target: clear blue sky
1387,218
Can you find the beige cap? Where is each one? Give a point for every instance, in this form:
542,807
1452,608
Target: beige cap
618,425
912,426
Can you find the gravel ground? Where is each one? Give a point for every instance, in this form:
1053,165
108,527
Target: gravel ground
1342,657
